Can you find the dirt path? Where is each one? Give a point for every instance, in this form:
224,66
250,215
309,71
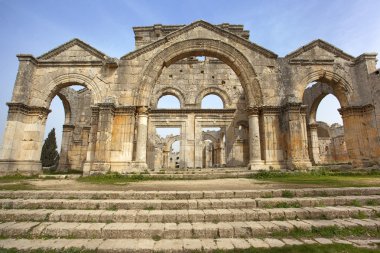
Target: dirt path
172,185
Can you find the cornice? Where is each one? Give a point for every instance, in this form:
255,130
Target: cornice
356,110
26,109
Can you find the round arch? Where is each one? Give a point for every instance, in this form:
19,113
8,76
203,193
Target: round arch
171,140
342,89
200,47
168,91
214,91
66,80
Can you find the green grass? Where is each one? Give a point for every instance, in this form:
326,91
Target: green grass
314,248
322,178
17,186
15,177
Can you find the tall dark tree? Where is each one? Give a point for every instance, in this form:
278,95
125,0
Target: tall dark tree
49,154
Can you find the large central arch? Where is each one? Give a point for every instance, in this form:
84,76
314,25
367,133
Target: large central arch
198,47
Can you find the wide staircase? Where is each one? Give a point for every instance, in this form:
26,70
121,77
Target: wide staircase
183,221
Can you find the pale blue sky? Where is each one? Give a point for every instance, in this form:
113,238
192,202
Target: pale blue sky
35,27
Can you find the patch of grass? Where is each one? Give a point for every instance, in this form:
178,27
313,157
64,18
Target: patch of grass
313,248
360,215
17,186
156,238
15,177
114,178
356,203
287,194
371,202
111,208
322,177
149,208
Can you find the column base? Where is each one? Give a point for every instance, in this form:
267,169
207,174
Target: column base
118,167
298,165
27,168
257,165
275,165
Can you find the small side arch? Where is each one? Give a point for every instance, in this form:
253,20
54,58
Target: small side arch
213,91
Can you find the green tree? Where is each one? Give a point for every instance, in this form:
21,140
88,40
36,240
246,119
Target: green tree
49,154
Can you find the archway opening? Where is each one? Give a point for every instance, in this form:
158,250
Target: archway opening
167,149
70,117
168,102
213,147
212,101
326,132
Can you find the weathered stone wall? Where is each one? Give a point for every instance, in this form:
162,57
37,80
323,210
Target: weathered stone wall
121,125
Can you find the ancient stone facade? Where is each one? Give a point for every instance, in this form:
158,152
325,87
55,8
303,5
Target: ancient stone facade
268,119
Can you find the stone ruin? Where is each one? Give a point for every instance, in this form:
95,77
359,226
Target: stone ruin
268,119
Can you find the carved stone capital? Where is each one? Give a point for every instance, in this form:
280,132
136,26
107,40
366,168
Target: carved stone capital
313,126
68,128
142,110
270,110
253,110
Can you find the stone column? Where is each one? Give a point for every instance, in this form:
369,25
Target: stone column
255,161
67,134
142,134
294,124
314,145
23,139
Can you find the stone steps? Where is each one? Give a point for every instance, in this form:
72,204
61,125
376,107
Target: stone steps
171,245
176,221
191,215
171,230
180,195
158,204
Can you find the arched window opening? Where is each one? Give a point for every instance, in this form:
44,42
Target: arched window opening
212,101
168,102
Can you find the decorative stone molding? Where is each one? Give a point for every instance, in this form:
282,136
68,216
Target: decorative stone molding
125,110
27,110
270,110
294,107
356,110
197,111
